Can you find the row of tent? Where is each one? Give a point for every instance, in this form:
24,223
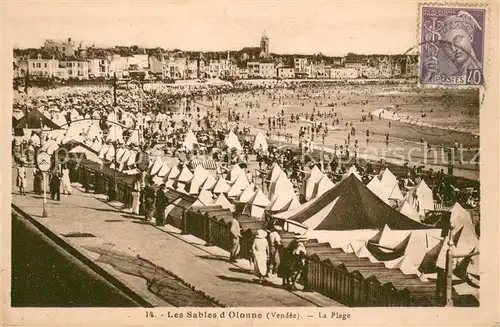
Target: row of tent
233,190
350,216
414,204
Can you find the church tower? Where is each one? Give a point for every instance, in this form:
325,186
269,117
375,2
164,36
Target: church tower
264,46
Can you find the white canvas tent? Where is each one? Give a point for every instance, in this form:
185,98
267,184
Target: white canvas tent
94,131
233,174
209,183
205,198
420,198
164,170
257,205
283,203
281,186
276,172
323,185
232,141
238,186
224,202
200,174
247,194
260,142
157,164
407,210
221,186
190,141
309,183
115,133
185,176
174,172
386,187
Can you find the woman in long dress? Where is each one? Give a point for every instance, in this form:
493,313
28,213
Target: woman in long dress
260,252
21,178
65,181
37,182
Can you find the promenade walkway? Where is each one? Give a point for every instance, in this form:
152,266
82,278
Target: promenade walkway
134,253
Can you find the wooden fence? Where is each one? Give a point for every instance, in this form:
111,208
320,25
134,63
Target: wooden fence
341,276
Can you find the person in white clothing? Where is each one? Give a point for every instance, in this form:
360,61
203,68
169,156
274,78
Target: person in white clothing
136,189
65,181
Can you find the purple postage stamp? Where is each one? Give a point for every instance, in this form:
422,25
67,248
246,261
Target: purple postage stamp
452,45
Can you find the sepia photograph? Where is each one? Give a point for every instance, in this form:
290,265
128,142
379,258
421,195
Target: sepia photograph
239,155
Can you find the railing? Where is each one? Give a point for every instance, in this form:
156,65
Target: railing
334,281
217,232
351,289
100,183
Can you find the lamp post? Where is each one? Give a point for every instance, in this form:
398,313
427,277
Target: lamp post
139,84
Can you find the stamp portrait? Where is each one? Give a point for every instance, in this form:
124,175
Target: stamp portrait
452,45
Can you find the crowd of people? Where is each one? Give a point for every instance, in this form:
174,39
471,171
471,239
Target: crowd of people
166,114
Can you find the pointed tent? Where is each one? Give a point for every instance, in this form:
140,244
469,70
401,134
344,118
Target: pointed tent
386,187
174,172
131,162
115,133
60,120
190,141
423,194
94,131
119,154
164,170
221,186
323,185
205,198
351,205
33,119
110,154
124,158
260,142
257,205
281,186
407,210
283,203
247,194
233,174
461,218
352,171
200,174
185,176
275,172
238,186
103,151
224,202
158,163
232,141
209,183
309,183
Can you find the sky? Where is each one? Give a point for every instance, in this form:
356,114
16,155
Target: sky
333,28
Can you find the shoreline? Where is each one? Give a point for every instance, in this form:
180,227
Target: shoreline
388,114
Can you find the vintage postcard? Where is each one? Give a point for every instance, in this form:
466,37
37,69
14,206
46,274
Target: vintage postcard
185,163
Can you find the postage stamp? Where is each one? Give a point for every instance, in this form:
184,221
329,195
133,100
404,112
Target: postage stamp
452,45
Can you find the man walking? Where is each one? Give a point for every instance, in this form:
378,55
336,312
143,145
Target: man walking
55,186
235,231
274,247
161,204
